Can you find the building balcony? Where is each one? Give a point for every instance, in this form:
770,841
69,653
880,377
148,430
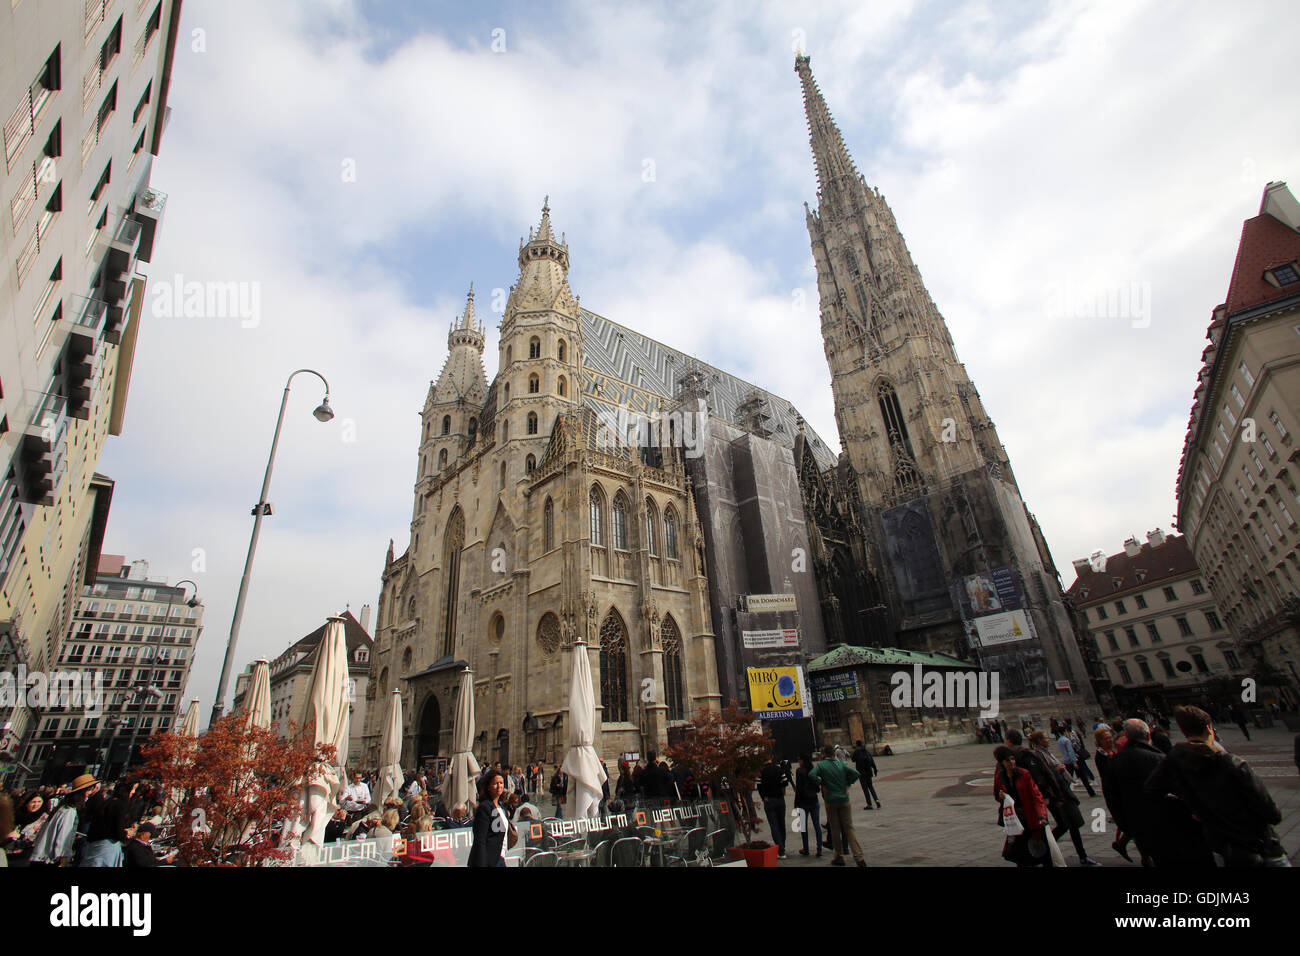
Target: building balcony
84,336
41,459
14,516
122,249
150,205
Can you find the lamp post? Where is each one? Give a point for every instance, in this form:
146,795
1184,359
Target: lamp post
323,413
146,689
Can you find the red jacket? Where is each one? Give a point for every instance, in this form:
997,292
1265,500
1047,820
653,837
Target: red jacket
1029,800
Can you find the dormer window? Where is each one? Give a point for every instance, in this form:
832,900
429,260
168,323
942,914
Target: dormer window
1282,276
1141,574
1116,582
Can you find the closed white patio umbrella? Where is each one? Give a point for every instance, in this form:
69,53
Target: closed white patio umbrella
190,722
257,704
390,752
458,784
581,762
327,707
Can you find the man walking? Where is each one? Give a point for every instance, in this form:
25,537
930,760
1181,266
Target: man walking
1070,757
866,766
772,780
834,777
1223,793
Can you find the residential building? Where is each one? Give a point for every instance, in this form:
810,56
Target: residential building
83,96
1239,479
134,638
1159,635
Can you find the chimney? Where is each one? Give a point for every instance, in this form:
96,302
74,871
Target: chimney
1131,546
365,618
139,570
1281,205
1098,561
1155,538
1081,565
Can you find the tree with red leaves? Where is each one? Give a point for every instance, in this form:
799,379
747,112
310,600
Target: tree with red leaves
729,750
232,789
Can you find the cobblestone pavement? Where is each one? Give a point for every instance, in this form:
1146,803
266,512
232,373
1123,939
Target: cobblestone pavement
939,810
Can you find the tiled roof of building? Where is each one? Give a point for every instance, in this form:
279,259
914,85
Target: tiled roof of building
621,353
1266,243
1150,566
353,633
849,655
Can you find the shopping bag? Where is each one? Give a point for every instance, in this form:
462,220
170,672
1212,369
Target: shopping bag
1058,858
1009,819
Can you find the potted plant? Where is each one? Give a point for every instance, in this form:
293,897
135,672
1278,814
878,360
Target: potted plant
729,750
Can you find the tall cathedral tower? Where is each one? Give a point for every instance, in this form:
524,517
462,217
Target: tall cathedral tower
936,496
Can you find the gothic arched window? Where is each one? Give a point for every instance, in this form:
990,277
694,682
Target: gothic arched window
907,478
560,353
503,476
509,354
473,429
534,347
651,532
453,542
561,387
548,526
597,507
530,463
618,522
674,694
505,430
532,423
670,532
442,459
613,668
534,384
446,424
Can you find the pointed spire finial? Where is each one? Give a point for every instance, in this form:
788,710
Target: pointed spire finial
834,165
544,228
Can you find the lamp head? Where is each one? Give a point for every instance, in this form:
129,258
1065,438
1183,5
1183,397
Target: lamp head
323,411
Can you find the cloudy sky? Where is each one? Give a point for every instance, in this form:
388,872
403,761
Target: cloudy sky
1071,179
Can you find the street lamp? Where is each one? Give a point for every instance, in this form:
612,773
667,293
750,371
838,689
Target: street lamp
323,413
147,690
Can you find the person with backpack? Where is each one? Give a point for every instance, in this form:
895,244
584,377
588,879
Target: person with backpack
866,767
1224,795
835,777
772,780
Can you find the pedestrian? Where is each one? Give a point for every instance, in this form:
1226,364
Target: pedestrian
106,834
806,792
835,777
1070,758
492,830
604,789
1083,755
31,814
1030,847
624,789
1053,783
1239,718
772,781
1106,752
1233,806
559,788
866,767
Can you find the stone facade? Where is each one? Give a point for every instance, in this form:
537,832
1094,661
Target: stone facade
923,494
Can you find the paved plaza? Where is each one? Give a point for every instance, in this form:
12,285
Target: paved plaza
939,809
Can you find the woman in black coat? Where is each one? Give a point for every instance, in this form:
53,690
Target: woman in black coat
490,823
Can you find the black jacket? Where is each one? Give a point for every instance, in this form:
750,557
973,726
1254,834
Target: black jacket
489,838
136,854
1134,812
806,790
1231,803
1044,777
864,762
771,782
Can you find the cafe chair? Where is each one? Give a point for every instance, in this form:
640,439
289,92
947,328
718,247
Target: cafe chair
627,852
545,858
689,849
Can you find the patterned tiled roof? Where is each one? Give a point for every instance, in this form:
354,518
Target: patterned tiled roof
629,357
1150,566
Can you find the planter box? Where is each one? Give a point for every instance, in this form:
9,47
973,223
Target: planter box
765,857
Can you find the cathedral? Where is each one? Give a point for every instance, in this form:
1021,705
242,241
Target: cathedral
607,488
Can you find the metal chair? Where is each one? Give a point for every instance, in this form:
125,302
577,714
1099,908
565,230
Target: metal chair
627,852
689,849
545,858
719,841
603,849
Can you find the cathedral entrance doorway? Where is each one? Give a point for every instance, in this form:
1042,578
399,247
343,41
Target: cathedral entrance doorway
426,744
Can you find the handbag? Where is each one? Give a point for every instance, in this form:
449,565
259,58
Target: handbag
1009,819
